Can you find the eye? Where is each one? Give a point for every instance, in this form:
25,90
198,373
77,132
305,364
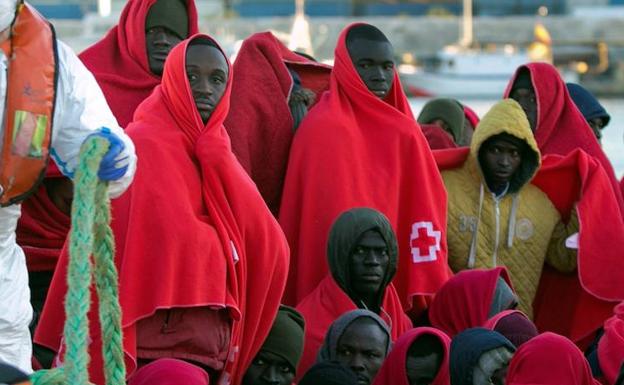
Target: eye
259,362
365,65
389,66
217,80
384,252
285,369
359,250
344,352
192,77
515,153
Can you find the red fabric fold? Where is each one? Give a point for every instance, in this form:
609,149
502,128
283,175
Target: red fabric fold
464,301
355,150
575,305
436,137
393,371
327,303
549,359
168,371
561,128
192,226
260,123
611,345
119,60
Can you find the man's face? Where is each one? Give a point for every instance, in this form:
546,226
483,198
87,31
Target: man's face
501,159
269,369
374,62
207,73
369,264
422,370
597,124
527,100
362,348
159,42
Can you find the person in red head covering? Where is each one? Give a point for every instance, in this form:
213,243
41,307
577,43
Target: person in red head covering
558,125
513,325
169,371
420,356
362,256
212,259
610,353
360,146
471,297
549,359
273,90
128,62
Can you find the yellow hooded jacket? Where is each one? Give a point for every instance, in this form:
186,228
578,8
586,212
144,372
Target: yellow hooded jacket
519,230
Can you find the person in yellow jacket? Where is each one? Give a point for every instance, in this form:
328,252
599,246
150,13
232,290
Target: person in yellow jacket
496,217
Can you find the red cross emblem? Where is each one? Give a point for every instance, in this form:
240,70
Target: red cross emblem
425,242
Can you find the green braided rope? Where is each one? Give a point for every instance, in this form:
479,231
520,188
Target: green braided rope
90,234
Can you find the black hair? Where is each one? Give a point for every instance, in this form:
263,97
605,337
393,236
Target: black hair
366,32
202,40
425,345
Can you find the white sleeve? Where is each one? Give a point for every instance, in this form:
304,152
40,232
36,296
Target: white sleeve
80,110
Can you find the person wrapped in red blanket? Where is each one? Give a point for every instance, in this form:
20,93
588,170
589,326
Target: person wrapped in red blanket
273,89
361,147
212,259
128,62
362,256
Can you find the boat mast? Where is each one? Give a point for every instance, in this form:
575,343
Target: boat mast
467,36
300,33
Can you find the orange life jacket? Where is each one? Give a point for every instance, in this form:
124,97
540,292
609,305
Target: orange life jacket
31,87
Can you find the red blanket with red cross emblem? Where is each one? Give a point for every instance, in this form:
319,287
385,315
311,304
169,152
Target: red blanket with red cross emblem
576,305
356,150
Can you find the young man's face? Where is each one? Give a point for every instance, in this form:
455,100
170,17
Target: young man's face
524,93
207,72
597,124
369,264
374,62
501,158
159,42
422,370
362,348
269,369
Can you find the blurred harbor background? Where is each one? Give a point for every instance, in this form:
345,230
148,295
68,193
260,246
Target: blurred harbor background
465,49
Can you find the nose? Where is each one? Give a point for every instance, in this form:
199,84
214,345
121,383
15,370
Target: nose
204,87
504,160
270,375
162,39
357,363
379,74
373,258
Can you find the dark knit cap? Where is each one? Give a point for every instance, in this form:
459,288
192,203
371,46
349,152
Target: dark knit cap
517,328
448,110
11,375
329,373
171,14
466,349
587,103
286,336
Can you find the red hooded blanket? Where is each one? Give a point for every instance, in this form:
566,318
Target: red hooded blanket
464,301
119,60
611,345
561,128
549,359
193,227
42,228
356,150
327,303
393,370
576,305
437,138
260,123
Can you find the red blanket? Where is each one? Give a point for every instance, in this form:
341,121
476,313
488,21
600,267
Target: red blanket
561,128
260,123
119,60
192,226
464,301
611,345
355,150
576,305
394,372
327,303
42,228
437,138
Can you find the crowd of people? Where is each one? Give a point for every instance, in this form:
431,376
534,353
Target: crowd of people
278,220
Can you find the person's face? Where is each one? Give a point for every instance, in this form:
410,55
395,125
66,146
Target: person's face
597,124
374,62
159,42
269,369
369,264
492,367
207,72
362,348
528,101
500,161
422,370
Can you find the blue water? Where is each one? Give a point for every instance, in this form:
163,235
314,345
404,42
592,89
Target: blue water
612,138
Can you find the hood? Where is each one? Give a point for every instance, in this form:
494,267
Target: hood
344,235
448,110
507,117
